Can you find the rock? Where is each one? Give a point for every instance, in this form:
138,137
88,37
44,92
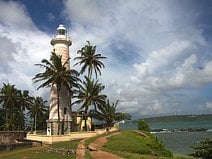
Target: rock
91,148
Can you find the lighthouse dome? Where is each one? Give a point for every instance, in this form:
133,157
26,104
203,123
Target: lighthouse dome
61,36
61,30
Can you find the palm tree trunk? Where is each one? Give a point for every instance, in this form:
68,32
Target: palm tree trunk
12,122
89,77
85,116
6,122
58,111
71,128
35,122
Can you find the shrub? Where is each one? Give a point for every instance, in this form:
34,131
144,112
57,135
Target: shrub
142,125
204,150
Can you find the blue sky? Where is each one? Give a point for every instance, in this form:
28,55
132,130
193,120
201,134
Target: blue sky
159,52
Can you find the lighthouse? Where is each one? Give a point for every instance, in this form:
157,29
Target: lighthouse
61,43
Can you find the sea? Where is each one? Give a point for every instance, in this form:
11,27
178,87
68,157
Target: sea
177,136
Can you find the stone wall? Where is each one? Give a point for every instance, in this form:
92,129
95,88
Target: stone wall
9,137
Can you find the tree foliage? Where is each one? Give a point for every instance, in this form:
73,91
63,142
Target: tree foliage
90,94
14,104
142,125
108,113
57,75
38,112
204,149
89,60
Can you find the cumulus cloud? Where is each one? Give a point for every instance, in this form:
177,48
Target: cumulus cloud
21,44
208,105
14,15
83,12
156,56
7,50
163,59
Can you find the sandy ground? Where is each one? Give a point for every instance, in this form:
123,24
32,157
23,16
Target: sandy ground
80,150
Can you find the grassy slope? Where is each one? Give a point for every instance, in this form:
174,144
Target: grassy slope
128,144
132,145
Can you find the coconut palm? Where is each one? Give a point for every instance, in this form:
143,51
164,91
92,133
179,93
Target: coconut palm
2,114
90,95
36,110
89,60
57,75
25,101
108,114
9,98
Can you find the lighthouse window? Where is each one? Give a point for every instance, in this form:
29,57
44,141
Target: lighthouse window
61,32
65,110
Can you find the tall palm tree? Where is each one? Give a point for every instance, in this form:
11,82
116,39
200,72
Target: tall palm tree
9,98
108,114
36,110
2,114
56,74
89,60
90,95
25,101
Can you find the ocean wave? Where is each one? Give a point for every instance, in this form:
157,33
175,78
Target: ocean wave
209,130
179,130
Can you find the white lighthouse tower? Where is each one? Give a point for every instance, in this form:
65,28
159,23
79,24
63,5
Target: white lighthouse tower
60,43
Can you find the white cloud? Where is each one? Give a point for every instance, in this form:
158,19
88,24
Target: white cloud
14,15
22,45
153,55
209,105
166,56
84,12
141,70
165,51
206,107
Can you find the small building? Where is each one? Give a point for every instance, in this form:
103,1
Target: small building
79,119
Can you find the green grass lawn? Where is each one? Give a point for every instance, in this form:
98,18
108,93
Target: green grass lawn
39,152
127,144
131,145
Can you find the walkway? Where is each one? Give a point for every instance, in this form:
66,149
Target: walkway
96,149
80,150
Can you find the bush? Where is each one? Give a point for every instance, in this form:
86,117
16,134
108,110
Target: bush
204,150
142,125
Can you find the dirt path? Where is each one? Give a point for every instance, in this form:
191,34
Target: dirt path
98,153
80,150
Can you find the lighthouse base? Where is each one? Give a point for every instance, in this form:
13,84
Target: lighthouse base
52,127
